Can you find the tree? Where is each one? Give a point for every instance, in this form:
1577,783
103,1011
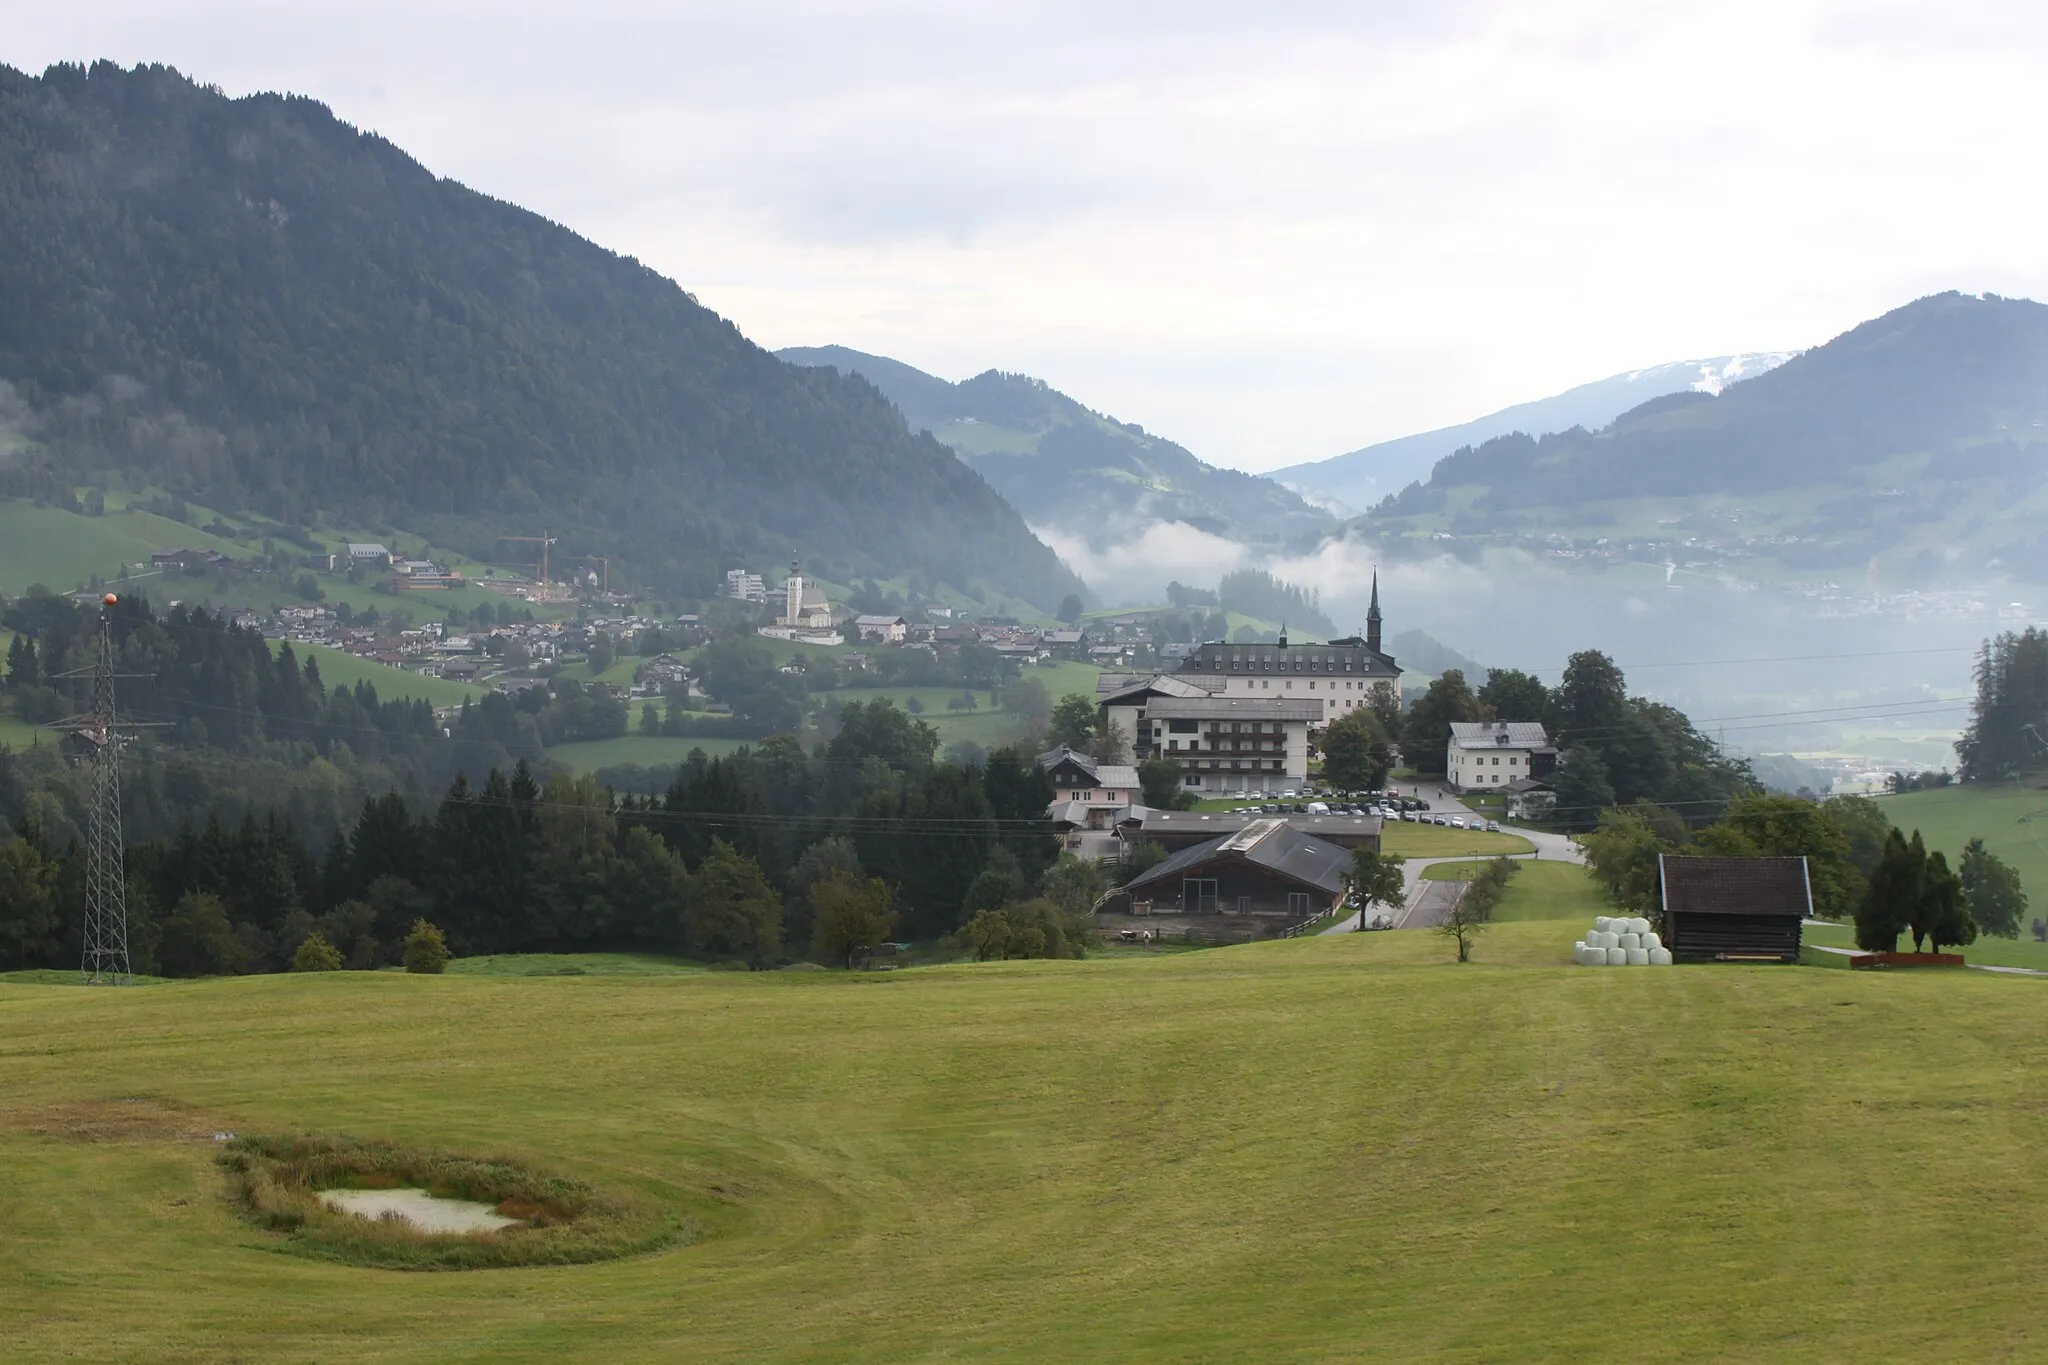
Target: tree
1356,754
1071,608
1511,694
1892,895
1590,703
2006,736
733,909
1864,826
316,954
1425,737
600,653
1160,788
198,940
1464,923
827,860
1992,892
877,729
30,932
426,951
1375,878
1583,790
990,933
1074,885
1073,720
1623,850
1939,916
853,916
22,668
1763,825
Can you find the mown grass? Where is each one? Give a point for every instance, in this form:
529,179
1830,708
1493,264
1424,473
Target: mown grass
573,964
1342,1148
1441,841
1537,891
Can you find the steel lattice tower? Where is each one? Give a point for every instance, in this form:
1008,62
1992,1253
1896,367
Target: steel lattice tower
106,874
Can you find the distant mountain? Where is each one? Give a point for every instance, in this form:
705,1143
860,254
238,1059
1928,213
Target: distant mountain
252,304
1062,465
1363,477
1919,438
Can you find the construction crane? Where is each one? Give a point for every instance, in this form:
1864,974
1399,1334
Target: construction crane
543,540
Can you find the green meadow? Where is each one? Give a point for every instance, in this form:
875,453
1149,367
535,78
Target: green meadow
2012,821
1326,1149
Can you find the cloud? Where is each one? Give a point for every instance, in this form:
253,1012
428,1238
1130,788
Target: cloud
1272,233
1137,569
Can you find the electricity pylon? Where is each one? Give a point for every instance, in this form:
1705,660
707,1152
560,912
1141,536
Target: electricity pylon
106,877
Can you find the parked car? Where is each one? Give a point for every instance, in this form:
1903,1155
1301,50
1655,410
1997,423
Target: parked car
1493,826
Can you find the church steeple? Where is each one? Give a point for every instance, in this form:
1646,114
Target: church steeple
1372,616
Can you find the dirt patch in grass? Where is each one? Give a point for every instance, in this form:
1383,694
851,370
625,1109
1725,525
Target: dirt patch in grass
276,1182
139,1118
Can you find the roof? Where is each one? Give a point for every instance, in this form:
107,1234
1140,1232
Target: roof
1498,734
1157,684
1523,785
878,621
1114,775
1118,776
1270,844
1150,820
360,548
1735,886
1206,707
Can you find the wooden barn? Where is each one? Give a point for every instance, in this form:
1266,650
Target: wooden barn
1265,868
1733,909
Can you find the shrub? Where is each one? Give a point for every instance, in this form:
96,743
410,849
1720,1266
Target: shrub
316,954
426,951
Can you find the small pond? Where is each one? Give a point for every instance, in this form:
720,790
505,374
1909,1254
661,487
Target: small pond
419,1208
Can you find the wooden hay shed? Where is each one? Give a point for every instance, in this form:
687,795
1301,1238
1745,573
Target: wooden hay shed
1733,909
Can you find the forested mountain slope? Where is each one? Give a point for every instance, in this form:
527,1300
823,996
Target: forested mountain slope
254,304
1921,429
1063,465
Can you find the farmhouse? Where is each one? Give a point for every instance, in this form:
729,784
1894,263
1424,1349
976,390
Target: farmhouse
1263,869
1485,754
1077,777
1733,909
889,629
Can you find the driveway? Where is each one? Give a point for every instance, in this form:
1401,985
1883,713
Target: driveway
1428,903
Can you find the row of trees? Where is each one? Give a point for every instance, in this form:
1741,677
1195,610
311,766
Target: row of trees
2008,732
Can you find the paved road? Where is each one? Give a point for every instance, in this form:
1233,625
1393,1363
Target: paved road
1427,903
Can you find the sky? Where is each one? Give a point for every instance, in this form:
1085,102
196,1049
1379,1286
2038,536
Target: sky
1273,232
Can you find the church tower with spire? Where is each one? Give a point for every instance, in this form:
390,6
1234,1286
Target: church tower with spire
1372,616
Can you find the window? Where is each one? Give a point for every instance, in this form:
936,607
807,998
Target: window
1198,896
1297,903
1244,905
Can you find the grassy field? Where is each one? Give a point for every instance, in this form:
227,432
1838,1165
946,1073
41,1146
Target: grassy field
1433,841
63,550
1538,891
573,964
2012,821
1141,1159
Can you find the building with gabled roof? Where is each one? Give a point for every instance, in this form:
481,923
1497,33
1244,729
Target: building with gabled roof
1264,868
1733,909
1226,744
1486,755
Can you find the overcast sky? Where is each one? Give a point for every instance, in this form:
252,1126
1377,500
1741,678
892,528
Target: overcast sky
1273,232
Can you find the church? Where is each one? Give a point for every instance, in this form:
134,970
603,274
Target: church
1241,717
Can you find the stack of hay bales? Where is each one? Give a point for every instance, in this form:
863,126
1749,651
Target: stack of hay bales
1617,941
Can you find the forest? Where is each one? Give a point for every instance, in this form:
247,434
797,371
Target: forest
2008,732
256,306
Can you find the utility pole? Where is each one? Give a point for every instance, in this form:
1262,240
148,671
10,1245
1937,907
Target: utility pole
105,960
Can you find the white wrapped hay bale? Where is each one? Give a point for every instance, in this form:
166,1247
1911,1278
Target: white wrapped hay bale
1660,957
1617,957
1602,923
1638,925
1652,942
1583,955
1628,940
1637,957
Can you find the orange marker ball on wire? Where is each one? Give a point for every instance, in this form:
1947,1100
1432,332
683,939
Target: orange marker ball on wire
110,599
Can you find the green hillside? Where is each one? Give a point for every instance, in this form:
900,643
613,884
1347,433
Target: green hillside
337,667
2012,821
1060,463
1173,1158
314,325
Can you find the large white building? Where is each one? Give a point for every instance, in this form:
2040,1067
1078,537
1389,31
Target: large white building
747,587
1337,676
1493,753
1230,744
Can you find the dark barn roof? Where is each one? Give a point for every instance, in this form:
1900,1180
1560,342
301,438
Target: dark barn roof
1264,843
1735,886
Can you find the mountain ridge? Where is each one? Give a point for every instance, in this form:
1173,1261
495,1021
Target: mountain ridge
251,303
1359,478
1065,465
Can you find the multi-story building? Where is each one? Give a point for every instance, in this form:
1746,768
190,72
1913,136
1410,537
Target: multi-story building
1224,743
747,587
